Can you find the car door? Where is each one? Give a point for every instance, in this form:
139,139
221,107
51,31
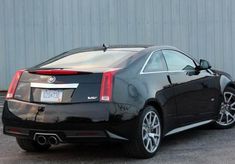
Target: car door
195,91
156,84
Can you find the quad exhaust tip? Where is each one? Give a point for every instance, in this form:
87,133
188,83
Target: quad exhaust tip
47,138
52,140
41,140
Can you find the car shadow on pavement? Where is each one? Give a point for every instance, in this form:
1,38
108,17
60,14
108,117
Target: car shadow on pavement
81,152
109,152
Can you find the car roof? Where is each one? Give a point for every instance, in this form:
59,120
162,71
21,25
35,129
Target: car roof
136,48
141,50
118,47
162,48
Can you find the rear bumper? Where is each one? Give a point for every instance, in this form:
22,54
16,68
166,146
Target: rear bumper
66,136
71,122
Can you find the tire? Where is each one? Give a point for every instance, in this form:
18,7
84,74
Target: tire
227,109
31,145
140,146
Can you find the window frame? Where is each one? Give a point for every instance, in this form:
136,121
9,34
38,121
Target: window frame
149,57
193,60
148,60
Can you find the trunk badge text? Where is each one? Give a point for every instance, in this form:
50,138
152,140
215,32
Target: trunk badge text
51,79
92,97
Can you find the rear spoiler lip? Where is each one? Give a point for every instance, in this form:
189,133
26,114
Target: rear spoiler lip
57,72
49,71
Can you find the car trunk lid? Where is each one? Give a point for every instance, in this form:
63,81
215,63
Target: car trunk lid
58,86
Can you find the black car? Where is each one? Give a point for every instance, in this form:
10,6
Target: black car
132,94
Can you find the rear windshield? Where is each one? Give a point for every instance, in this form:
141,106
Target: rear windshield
92,59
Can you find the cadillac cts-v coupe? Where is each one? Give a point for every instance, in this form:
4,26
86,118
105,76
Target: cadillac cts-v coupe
133,94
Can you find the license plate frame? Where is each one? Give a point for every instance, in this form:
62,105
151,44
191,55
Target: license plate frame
51,95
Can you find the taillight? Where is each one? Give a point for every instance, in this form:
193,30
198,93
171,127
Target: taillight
106,89
13,85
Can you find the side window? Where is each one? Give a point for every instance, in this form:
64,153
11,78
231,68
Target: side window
177,61
156,63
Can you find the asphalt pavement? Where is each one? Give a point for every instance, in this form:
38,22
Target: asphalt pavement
197,146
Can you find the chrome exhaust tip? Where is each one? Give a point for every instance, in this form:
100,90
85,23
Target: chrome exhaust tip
52,140
47,138
41,140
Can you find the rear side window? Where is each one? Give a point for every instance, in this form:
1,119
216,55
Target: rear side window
156,63
177,61
92,59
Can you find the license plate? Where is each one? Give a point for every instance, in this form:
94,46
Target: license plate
51,95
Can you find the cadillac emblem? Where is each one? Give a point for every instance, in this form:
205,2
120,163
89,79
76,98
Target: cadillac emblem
51,79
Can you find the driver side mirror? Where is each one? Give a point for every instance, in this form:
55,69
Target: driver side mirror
204,65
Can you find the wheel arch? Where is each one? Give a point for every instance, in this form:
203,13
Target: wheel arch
226,82
231,84
154,103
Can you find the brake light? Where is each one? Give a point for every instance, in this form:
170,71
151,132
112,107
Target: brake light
55,72
13,85
107,86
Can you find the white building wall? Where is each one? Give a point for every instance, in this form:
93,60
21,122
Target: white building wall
34,30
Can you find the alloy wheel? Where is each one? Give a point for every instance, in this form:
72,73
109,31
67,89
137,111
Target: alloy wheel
227,110
151,131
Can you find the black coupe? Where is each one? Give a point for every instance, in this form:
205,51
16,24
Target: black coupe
133,94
